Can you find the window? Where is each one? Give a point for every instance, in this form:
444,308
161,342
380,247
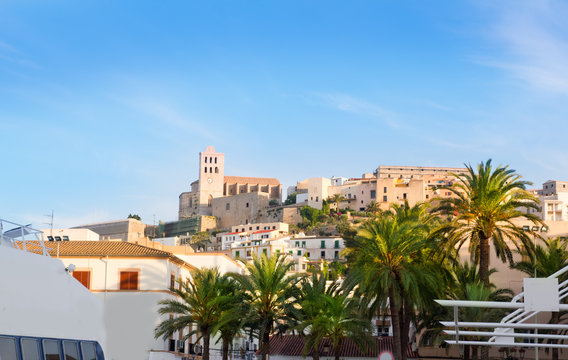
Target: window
129,280
211,170
30,349
299,252
336,255
303,268
51,350
65,238
88,351
297,244
323,254
172,281
206,169
210,159
404,195
228,206
336,244
237,254
206,162
215,159
8,349
216,170
308,254
247,204
274,228
50,238
427,196
323,244
385,190
58,238
317,198
385,198
303,244
70,350
373,194
250,227
84,277
258,228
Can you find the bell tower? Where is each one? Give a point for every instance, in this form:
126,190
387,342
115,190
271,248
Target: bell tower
211,178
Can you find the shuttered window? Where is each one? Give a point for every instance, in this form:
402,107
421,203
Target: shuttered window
129,280
84,277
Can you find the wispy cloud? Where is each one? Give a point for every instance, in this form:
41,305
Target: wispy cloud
354,105
534,35
168,114
9,53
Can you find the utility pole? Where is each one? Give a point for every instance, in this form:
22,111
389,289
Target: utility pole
50,223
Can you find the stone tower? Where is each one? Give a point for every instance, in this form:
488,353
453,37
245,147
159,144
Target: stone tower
211,178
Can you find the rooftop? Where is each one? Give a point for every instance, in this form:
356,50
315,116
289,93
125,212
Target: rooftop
251,180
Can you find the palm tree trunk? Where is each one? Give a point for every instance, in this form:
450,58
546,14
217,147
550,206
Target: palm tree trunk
315,353
395,320
337,348
225,349
206,338
484,259
405,328
265,343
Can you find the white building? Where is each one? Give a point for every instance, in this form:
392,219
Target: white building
130,279
70,235
247,232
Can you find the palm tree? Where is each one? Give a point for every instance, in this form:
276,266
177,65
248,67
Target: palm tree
392,255
543,261
231,320
329,313
200,302
271,294
336,198
374,207
483,208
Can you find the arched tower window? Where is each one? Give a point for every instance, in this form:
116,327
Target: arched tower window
215,159
216,170
211,170
206,169
206,159
210,159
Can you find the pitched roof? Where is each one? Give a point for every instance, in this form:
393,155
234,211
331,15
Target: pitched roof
103,248
264,231
251,180
293,345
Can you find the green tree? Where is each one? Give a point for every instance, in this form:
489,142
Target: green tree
483,208
329,313
543,261
200,240
231,320
291,199
200,303
134,216
373,207
336,198
392,263
310,215
271,294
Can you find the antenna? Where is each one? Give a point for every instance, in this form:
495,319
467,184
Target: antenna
50,223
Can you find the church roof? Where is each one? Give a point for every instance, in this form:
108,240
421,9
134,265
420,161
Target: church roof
251,180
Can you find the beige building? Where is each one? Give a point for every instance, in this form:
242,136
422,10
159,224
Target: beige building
242,193
312,191
553,201
415,172
130,230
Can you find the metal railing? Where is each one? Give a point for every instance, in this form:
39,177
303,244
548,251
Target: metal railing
22,237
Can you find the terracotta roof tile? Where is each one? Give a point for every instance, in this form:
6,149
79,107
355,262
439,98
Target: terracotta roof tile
264,231
293,345
250,180
102,248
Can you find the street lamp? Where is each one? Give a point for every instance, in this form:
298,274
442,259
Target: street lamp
502,352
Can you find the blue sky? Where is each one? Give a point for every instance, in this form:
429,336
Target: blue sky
104,105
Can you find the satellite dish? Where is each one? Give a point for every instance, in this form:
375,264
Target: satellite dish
386,355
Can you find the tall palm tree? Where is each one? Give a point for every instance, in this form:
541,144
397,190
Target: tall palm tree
271,294
484,204
231,321
336,198
200,302
374,207
392,255
543,261
328,312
